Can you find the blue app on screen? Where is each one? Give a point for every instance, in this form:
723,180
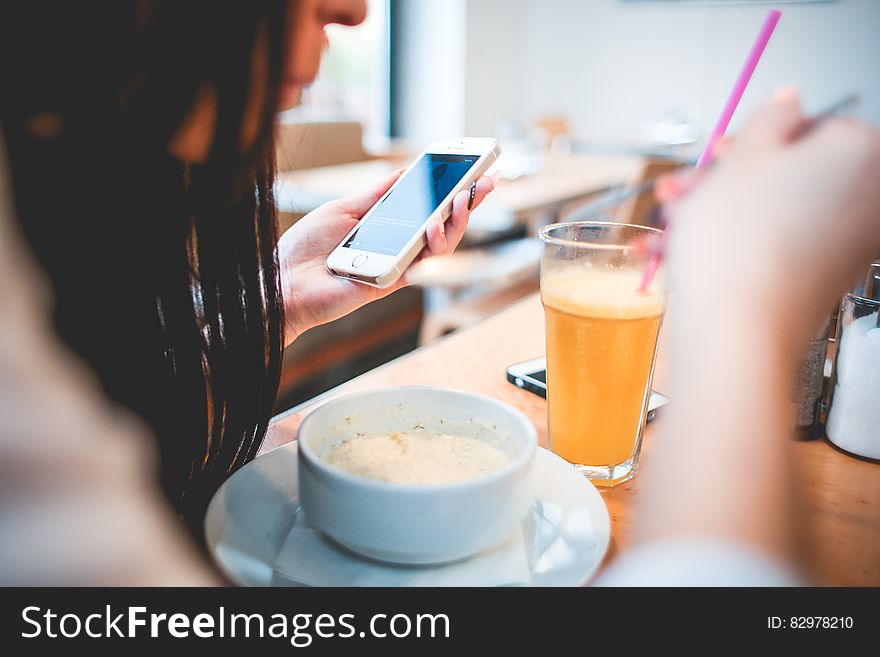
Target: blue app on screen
403,212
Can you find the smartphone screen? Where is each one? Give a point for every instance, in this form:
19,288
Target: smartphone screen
404,211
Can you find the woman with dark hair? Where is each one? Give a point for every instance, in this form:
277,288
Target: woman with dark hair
140,143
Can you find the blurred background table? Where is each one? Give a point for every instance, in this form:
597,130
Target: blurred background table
842,494
556,181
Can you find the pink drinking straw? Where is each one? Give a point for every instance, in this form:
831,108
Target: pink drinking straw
733,99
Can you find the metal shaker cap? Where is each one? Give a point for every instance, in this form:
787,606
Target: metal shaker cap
868,288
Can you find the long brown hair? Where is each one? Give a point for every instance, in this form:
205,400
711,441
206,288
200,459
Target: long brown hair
166,276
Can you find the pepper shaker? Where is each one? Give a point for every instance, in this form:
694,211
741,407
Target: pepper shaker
809,383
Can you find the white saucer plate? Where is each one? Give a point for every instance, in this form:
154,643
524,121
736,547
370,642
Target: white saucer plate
259,537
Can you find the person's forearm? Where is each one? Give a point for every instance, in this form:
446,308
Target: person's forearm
722,467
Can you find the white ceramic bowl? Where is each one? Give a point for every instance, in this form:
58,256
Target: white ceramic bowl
412,523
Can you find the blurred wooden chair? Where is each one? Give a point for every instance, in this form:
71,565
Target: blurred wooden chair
309,145
554,132
638,210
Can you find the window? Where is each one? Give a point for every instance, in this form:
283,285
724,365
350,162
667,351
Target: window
353,82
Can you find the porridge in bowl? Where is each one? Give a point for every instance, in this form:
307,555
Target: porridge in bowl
415,475
419,456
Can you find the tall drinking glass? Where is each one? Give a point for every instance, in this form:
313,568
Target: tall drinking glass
602,338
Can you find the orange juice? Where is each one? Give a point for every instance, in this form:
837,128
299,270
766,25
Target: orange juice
601,340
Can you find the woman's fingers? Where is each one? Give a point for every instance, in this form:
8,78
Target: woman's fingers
462,206
484,185
437,243
458,221
445,239
775,123
673,186
647,244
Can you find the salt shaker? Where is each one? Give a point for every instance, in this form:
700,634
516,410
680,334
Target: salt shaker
854,418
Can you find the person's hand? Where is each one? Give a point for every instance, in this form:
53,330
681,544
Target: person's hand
783,222
758,249
312,296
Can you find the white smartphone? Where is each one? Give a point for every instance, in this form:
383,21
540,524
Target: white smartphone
532,376
392,233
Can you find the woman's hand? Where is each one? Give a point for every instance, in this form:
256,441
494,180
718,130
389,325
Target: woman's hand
760,246
312,296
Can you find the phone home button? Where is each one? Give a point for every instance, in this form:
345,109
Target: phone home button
359,260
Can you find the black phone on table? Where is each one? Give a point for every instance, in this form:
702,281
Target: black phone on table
531,375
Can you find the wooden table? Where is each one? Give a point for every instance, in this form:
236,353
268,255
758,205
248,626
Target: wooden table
562,180
842,494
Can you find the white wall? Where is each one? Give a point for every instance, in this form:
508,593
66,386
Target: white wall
431,60
493,89
612,66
